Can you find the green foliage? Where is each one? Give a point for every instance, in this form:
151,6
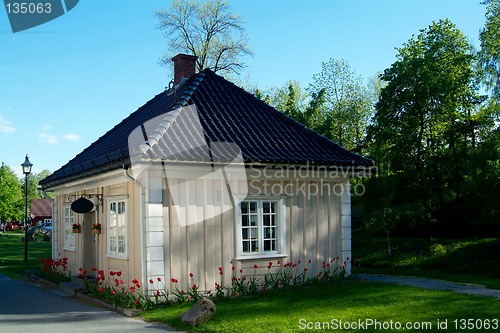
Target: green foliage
291,100
209,30
11,197
33,180
346,109
490,47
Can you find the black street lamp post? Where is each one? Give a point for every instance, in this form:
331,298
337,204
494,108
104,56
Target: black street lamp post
26,170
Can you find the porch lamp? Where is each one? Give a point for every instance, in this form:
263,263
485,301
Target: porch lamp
26,170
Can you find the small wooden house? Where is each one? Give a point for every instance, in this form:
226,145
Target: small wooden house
202,176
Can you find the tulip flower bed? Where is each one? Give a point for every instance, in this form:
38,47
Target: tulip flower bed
114,290
118,294
55,271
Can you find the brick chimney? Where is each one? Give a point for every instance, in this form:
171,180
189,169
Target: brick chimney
184,67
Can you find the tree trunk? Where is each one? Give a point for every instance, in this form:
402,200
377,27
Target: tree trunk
388,241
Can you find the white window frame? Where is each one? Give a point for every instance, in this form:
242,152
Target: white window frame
281,225
110,230
69,218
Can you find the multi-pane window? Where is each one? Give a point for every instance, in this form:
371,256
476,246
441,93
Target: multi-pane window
117,224
259,226
69,236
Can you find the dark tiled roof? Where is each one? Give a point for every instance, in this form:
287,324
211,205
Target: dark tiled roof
227,113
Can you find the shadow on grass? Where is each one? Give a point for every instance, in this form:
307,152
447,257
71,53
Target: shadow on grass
464,261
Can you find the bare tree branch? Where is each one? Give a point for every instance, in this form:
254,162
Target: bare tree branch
209,30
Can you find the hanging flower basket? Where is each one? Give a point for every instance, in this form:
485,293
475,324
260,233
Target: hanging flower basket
77,228
96,229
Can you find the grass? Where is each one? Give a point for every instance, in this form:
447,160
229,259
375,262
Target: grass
282,311
12,262
464,261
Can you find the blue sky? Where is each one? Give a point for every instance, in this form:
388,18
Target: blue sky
65,83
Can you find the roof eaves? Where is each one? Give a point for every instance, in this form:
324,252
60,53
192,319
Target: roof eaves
88,173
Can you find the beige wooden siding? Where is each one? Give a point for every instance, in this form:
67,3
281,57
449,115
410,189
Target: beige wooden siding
131,266
313,231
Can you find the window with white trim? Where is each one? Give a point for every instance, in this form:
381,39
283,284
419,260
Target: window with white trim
69,236
261,227
117,228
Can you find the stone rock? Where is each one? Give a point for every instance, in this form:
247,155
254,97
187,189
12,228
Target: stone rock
201,312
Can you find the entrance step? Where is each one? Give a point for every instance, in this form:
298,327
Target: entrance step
72,287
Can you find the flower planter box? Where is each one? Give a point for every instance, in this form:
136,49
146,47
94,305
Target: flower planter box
96,231
77,230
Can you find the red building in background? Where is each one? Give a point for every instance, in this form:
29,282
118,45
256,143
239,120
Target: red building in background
41,211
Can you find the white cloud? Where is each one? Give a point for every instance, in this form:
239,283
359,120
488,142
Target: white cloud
5,126
72,137
49,138
46,128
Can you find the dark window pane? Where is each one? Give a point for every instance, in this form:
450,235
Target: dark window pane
267,220
244,220
267,233
244,207
246,246
266,207
267,245
253,207
255,247
245,233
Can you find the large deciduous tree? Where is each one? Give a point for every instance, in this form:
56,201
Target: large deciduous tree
209,30
424,127
347,104
489,55
11,203
33,180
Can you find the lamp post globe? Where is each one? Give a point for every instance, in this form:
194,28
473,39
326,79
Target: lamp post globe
26,170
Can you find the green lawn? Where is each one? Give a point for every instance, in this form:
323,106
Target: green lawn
463,261
347,302
12,261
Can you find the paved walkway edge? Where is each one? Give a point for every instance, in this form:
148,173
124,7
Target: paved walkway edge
432,284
